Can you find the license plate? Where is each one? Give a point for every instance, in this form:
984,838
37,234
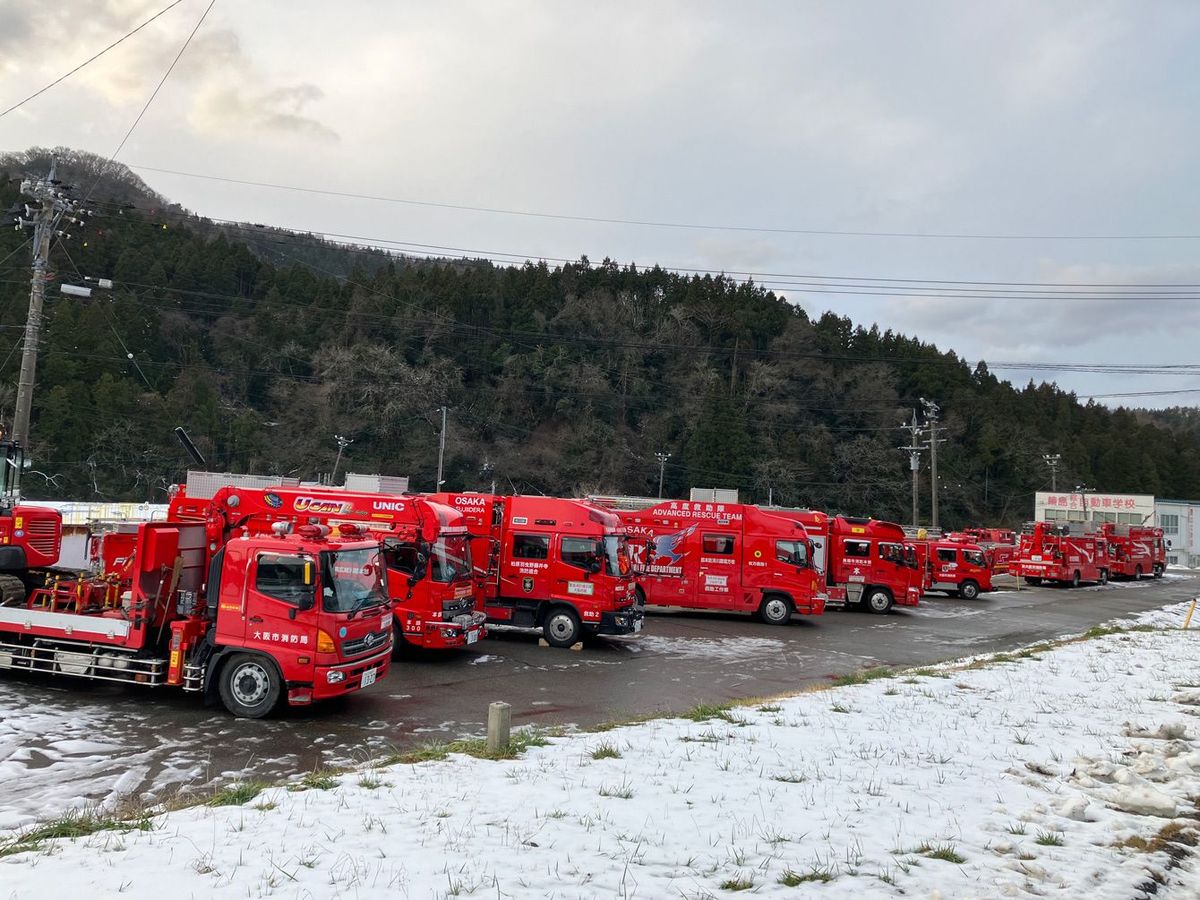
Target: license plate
369,677
637,625
472,636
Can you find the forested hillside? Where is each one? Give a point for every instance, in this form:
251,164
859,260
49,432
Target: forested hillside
559,380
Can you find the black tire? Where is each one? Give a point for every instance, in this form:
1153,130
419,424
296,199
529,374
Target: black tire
250,686
12,590
1138,573
562,628
639,598
1075,579
1158,571
775,609
968,590
878,600
1104,576
1034,580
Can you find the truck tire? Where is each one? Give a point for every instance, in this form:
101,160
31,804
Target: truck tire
1137,573
878,600
12,590
561,628
1104,576
1075,579
639,597
250,685
968,590
775,609
1158,571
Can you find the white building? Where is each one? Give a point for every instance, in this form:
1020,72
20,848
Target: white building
1178,520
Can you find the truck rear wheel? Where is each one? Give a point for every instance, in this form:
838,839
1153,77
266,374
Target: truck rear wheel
775,609
879,600
1137,573
250,686
1104,576
968,590
1075,579
561,628
12,590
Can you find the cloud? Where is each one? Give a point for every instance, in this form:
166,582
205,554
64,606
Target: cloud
227,92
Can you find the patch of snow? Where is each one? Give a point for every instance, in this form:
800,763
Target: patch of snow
727,648
484,659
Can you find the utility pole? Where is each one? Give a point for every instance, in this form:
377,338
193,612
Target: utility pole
1052,460
1082,490
441,451
343,443
931,420
914,450
54,206
662,456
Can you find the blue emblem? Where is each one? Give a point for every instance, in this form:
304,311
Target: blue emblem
342,633
273,500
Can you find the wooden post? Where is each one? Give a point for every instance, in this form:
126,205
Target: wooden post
1188,620
499,727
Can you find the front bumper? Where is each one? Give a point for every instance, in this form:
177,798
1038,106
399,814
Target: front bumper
346,678
622,621
448,634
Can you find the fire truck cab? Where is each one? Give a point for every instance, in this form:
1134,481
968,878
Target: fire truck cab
30,536
561,566
958,568
722,556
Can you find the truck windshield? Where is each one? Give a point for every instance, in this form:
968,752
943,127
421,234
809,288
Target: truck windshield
616,555
353,579
450,559
974,557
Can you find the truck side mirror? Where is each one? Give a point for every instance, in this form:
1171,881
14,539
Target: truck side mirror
594,566
420,570
306,602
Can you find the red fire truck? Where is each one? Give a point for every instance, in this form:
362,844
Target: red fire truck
1135,551
30,536
1064,554
865,561
720,556
956,567
559,565
427,551
998,544
253,621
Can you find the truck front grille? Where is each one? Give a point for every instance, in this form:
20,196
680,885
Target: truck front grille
365,644
43,536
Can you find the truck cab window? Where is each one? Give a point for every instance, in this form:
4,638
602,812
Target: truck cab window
892,553
794,553
947,554
974,557
858,549
291,579
583,553
531,546
402,558
718,544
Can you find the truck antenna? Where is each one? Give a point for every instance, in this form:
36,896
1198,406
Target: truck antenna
189,446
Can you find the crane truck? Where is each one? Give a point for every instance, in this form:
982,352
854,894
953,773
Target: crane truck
561,566
426,552
253,621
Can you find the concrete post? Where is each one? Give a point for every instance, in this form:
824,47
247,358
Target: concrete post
499,727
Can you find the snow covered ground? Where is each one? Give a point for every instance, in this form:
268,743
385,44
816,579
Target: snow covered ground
1065,772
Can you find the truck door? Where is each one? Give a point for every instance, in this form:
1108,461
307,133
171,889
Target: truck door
945,565
854,566
524,578
281,612
719,581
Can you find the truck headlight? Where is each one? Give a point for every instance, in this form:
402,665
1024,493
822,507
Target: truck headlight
333,676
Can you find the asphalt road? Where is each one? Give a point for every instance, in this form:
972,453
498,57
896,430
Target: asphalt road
66,740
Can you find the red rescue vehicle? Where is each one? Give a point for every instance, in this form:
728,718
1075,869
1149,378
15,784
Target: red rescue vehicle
998,544
427,551
865,561
562,566
1135,551
254,621
721,556
1063,554
956,567
30,536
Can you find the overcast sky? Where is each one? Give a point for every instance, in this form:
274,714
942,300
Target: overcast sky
1031,118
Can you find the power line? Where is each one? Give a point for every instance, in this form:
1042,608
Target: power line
90,60
649,223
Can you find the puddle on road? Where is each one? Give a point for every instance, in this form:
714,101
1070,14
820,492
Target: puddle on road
734,648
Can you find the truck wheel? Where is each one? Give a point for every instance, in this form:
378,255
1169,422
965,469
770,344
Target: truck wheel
12,590
1137,574
250,686
879,601
775,609
1158,571
1104,576
639,597
562,627
1075,580
968,590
